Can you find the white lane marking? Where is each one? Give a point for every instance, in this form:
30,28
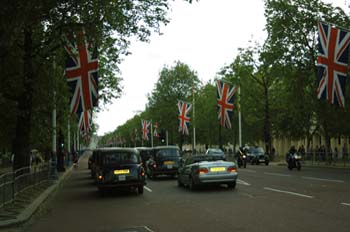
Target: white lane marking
322,179
287,192
347,204
276,174
245,170
148,189
239,181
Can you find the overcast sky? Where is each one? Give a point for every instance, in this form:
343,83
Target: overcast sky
205,35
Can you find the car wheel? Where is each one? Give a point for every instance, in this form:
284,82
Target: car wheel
267,163
179,183
140,189
232,185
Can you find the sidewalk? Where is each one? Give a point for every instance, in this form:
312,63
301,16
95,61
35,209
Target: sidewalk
29,201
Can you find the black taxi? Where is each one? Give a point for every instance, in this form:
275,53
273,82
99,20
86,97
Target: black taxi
119,168
164,161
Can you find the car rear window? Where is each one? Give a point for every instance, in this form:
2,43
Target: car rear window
168,153
121,158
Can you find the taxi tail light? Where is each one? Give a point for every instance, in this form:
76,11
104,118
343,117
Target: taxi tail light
232,169
202,171
142,172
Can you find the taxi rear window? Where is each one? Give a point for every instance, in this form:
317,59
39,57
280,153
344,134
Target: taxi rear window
168,153
121,158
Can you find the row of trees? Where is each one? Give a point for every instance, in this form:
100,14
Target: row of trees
32,61
277,80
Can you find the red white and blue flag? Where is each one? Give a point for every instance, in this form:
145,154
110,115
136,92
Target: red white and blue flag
332,63
184,119
145,125
225,100
85,123
81,72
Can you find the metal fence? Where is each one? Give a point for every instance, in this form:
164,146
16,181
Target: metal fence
321,159
14,183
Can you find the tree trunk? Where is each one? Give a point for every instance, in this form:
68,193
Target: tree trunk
21,142
267,123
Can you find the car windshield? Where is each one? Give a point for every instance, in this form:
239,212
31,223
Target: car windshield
203,158
215,151
120,158
257,150
168,153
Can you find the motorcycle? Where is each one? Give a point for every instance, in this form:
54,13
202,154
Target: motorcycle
242,160
294,161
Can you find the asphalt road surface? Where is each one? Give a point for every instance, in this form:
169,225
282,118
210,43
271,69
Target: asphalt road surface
267,198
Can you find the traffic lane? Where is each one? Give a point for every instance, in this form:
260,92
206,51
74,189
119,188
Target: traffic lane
331,192
78,206
244,209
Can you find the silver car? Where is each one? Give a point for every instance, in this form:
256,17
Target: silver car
206,170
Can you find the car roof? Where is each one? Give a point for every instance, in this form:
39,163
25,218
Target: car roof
127,149
165,147
143,148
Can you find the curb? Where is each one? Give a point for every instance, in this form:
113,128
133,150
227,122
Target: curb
27,213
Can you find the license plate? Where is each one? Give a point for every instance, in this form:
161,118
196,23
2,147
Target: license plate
121,178
169,162
123,171
169,166
218,169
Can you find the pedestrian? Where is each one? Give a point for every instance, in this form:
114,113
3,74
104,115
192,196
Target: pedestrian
344,152
273,153
335,154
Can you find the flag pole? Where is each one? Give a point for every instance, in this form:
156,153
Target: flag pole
68,145
194,125
151,133
239,114
53,171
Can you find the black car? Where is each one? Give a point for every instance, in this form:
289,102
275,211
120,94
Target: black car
91,162
257,155
145,153
119,168
164,161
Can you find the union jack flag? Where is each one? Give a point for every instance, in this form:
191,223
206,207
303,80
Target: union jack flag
145,125
332,63
155,133
85,122
81,71
184,120
225,100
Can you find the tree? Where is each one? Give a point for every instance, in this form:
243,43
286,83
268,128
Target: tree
30,36
295,55
174,83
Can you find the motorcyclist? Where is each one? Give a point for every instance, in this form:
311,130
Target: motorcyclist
291,151
241,152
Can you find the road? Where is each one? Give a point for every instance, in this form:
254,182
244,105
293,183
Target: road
267,198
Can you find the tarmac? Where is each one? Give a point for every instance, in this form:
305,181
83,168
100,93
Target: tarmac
22,209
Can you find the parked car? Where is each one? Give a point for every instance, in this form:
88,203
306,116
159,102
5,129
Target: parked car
119,168
164,161
216,152
206,170
257,155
